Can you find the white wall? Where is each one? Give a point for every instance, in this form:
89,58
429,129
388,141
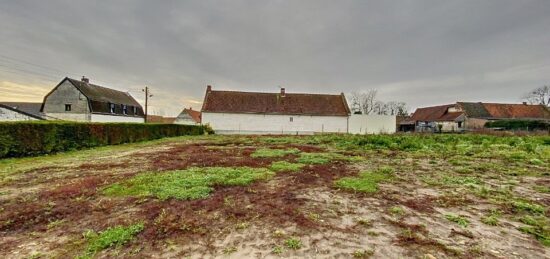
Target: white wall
9,115
113,118
372,124
237,123
68,116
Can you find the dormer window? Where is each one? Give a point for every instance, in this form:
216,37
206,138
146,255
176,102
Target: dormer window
124,109
112,107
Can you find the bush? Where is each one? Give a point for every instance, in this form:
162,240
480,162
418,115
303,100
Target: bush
518,125
34,138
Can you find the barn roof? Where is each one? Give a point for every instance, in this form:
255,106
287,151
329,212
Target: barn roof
104,94
434,113
505,111
29,109
275,103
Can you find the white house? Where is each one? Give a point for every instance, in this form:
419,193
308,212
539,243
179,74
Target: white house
233,112
188,117
19,111
79,100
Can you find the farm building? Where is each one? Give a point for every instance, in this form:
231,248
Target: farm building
79,100
470,115
189,117
20,111
274,113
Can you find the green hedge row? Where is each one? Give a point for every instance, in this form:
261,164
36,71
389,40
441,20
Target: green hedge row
519,125
34,138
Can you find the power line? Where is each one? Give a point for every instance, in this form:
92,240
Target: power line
30,63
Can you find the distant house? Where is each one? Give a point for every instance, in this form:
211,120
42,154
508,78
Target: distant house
470,115
189,117
274,113
79,100
20,111
160,119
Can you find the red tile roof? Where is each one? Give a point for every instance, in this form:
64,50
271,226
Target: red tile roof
434,113
195,115
517,111
275,103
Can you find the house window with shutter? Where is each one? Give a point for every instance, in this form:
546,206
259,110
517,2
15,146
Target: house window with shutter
112,107
135,110
124,109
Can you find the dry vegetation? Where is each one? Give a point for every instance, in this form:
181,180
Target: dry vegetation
442,196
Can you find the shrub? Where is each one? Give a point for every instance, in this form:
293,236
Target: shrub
192,183
519,125
34,138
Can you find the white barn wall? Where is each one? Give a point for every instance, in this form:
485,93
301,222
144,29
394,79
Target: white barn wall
113,118
237,123
9,115
372,124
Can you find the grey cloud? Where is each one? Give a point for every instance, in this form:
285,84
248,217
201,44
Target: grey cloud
421,52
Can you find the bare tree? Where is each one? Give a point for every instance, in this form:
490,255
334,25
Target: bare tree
402,109
363,102
540,95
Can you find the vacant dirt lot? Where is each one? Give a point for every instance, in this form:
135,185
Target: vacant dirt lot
445,196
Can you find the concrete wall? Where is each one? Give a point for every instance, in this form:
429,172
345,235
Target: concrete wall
113,118
447,126
237,123
66,93
473,123
372,124
9,115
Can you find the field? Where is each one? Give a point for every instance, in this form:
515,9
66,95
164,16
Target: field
326,196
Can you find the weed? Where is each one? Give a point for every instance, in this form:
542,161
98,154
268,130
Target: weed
362,253
397,211
461,221
542,189
538,226
242,225
193,183
267,152
364,222
278,233
366,181
528,207
229,250
284,166
114,236
492,218
315,158
293,243
277,250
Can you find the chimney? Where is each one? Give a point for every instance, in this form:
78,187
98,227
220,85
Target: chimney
85,79
208,88
282,92
191,108
524,103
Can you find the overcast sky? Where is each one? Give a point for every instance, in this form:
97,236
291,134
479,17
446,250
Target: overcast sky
420,52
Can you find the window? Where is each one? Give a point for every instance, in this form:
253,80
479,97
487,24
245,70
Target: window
291,119
460,124
135,109
124,109
67,107
112,107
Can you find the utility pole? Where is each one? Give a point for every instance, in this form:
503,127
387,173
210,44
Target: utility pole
147,95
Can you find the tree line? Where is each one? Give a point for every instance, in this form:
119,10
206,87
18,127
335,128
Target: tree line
367,103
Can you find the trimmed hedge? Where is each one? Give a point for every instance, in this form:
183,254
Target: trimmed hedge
519,125
34,138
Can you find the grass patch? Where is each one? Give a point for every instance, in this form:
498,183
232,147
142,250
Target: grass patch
293,243
193,183
267,152
492,218
114,236
323,158
528,207
366,181
461,221
538,226
284,166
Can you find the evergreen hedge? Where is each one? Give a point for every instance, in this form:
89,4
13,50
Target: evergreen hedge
519,124
34,138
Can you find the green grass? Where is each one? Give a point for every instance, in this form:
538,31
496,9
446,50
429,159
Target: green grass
284,166
192,183
323,158
366,181
461,221
267,152
528,207
293,243
492,218
538,226
114,236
